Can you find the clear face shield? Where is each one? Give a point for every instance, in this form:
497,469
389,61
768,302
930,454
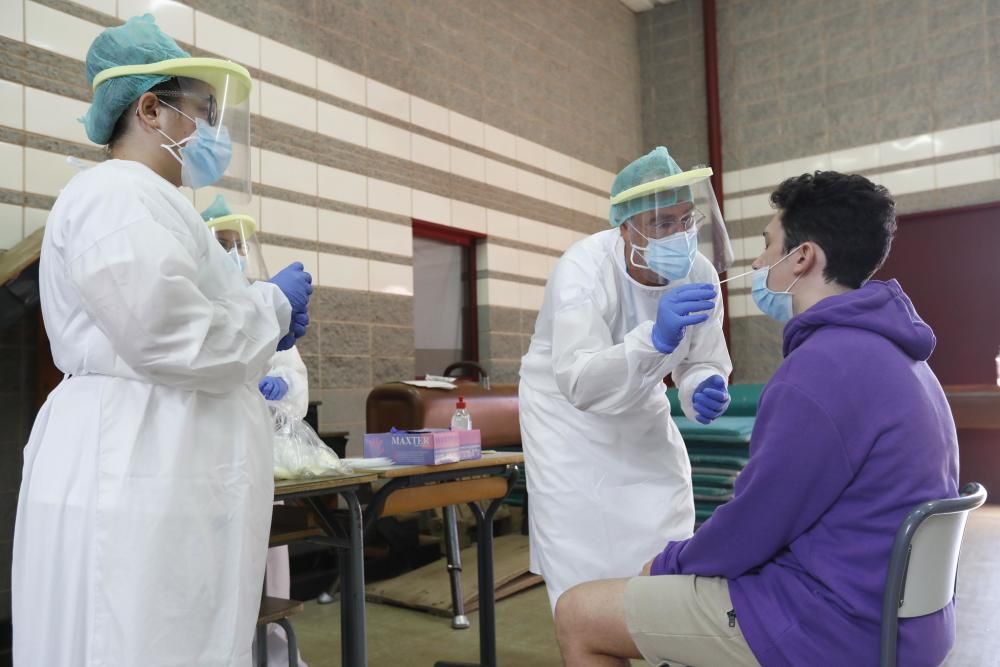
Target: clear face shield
237,234
214,95
218,151
673,219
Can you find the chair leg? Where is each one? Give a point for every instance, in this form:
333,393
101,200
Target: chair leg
293,647
459,620
260,646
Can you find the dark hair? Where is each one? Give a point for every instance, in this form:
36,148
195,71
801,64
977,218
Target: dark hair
122,123
849,217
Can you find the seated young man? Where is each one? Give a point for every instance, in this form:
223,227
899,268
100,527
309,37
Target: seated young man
852,432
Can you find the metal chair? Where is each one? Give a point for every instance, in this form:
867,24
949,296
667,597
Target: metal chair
923,567
276,610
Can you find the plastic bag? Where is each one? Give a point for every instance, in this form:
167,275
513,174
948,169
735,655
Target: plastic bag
299,452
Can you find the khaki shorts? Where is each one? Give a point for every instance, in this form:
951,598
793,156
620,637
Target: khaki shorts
684,620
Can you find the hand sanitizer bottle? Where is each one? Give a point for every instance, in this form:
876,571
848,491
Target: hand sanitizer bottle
461,421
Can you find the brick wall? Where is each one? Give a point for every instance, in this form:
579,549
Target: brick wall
672,56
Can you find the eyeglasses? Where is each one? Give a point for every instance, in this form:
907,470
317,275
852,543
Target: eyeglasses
208,111
661,227
231,244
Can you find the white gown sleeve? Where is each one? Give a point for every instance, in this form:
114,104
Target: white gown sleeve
139,284
591,371
707,355
288,365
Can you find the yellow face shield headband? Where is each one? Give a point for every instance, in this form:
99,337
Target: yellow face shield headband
668,183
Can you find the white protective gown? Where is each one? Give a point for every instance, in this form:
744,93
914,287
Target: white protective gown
289,367
608,476
145,505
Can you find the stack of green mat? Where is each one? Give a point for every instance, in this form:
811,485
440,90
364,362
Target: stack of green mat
720,450
713,473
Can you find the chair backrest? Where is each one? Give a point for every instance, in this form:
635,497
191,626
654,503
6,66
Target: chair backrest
923,566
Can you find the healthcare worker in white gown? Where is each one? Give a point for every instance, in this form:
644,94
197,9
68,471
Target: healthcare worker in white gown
144,510
607,471
285,388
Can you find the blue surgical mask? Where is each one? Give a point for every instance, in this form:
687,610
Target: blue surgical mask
776,305
204,156
670,257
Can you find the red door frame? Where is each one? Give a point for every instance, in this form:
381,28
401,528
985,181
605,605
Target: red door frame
467,240
714,119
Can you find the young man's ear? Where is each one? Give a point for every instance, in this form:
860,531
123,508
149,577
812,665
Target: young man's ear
807,256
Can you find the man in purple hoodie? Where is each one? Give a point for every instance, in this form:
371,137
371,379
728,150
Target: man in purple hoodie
852,432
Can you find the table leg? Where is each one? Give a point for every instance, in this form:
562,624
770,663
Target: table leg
260,646
346,584
354,651
487,595
355,603
459,620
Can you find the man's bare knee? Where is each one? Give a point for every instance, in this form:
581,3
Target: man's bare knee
590,621
568,614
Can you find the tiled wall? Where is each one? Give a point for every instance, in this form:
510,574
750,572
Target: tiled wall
906,92
487,116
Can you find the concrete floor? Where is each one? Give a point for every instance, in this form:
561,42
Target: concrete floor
977,643
525,634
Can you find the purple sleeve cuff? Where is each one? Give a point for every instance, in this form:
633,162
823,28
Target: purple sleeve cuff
666,561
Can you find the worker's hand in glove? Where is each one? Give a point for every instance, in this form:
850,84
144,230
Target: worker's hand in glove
680,308
711,399
273,388
295,284
286,343
300,322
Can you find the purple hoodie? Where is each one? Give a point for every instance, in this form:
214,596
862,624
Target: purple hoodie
852,432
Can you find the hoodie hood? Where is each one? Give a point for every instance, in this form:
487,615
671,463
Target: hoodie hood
877,306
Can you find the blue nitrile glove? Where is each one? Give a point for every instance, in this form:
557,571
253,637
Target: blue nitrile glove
295,284
297,329
300,322
710,399
273,388
674,313
286,343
